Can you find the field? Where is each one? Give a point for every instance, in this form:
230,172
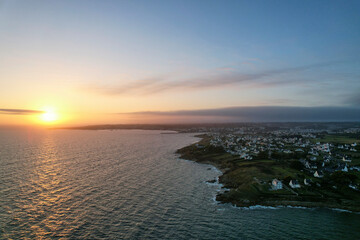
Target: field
338,139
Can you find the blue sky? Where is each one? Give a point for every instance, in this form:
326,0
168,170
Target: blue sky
133,56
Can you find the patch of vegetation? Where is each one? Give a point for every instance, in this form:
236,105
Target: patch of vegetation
339,139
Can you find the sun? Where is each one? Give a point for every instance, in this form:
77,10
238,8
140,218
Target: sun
49,115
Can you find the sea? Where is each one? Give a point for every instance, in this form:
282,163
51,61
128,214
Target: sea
130,184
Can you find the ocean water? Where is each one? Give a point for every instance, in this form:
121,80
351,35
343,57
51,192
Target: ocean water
129,184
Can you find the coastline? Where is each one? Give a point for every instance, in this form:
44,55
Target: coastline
252,202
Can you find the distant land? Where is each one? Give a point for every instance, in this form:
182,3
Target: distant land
201,127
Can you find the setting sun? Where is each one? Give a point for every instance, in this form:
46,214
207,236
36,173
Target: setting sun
49,115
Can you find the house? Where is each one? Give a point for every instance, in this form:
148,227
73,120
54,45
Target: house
307,182
325,147
318,174
294,184
313,152
327,158
346,159
355,168
353,187
312,165
276,184
345,169
307,165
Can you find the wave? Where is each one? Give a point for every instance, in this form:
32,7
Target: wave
343,210
295,207
255,207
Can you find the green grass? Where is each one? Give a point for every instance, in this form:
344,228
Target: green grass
339,139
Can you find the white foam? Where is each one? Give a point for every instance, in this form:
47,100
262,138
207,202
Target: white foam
296,207
262,207
255,207
343,210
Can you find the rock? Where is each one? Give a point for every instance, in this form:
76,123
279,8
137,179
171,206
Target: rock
211,181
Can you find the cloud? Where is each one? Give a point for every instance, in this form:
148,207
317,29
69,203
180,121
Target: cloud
225,79
19,111
353,99
264,114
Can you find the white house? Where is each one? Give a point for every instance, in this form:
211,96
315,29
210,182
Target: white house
307,181
276,184
345,169
318,174
327,158
294,184
313,166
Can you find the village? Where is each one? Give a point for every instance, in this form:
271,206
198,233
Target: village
316,157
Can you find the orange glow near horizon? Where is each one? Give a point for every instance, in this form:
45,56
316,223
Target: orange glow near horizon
49,116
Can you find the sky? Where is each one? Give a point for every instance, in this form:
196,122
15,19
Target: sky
96,62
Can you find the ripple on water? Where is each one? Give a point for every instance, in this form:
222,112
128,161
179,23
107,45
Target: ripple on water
130,185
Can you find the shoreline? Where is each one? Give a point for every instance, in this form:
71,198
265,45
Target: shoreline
261,202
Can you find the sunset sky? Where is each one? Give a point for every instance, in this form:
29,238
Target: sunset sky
96,62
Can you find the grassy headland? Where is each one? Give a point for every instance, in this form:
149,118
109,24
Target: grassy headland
249,181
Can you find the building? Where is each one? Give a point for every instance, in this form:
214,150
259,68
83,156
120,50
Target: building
318,174
294,184
276,184
307,182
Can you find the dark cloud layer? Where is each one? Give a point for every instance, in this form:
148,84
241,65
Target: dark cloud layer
19,111
353,99
156,85
267,114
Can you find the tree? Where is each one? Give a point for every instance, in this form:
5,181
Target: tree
296,165
342,178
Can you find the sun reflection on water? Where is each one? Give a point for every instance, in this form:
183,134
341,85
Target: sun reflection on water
48,195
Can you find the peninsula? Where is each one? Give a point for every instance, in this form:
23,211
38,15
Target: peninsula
308,165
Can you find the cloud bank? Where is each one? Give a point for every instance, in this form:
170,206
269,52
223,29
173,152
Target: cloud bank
19,111
226,78
353,99
263,114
